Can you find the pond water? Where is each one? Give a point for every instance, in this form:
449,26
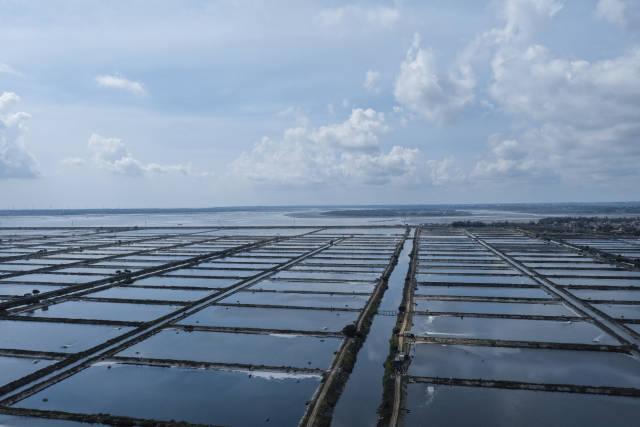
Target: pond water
452,406
238,348
272,318
219,397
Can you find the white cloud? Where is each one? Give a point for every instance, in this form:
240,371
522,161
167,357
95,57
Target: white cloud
371,81
112,155
612,11
179,168
510,159
422,89
580,117
522,17
445,171
16,161
7,99
74,161
538,86
377,16
438,96
347,152
359,132
121,83
567,152
625,13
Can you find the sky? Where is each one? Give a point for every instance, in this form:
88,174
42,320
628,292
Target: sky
137,104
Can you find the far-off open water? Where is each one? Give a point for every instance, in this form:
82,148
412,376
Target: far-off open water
241,217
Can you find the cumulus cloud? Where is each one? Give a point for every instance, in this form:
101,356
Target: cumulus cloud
439,94
421,88
16,161
359,132
562,151
377,16
581,118
8,99
344,152
539,86
444,171
112,155
510,159
372,81
612,11
625,13
121,83
523,17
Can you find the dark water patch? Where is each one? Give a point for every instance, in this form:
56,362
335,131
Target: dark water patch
577,332
604,295
588,281
450,406
472,270
219,397
272,318
20,421
20,289
186,282
98,270
248,258
328,275
299,351
56,278
588,368
224,273
55,337
456,278
620,311
578,273
482,291
13,368
362,395
286,285
221,265
103,311
136,293
298,300
493,308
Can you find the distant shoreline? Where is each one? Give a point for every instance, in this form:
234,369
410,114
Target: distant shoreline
380,213
349,211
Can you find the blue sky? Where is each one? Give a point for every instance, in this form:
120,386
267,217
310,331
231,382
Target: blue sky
210,103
